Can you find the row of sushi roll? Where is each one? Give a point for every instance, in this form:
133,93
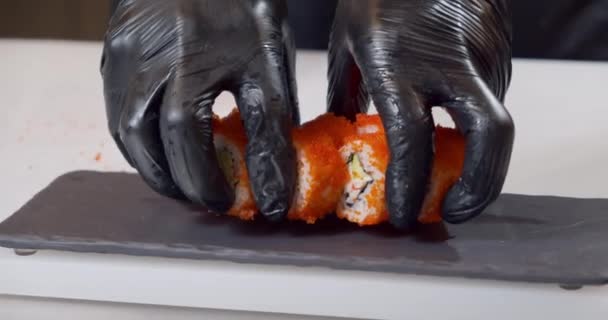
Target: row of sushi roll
341,169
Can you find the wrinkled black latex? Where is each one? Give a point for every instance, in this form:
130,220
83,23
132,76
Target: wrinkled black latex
164,63
409,55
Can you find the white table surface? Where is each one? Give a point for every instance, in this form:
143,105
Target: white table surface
52,121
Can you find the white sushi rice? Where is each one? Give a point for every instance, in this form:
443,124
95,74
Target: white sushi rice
371,128
361,209
303,182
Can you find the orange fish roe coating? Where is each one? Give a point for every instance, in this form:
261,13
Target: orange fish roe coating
230,130
321,174
446,170
337,127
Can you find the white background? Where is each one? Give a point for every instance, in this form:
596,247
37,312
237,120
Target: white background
52,121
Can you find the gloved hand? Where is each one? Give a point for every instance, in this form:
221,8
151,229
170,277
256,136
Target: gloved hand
164,63
409,55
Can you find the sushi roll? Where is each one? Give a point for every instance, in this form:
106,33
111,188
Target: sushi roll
366,157
340,168
337,127
447,167
230,141
321,172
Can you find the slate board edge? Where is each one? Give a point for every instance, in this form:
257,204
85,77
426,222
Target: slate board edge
256,257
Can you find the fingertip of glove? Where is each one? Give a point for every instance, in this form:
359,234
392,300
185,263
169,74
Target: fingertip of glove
461,206
173,192
275,212
402,222
216,201
220,205
401,213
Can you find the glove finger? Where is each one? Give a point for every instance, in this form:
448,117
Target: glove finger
489,132
289,62
132,107
187,134
347,94
263,98
140,134
116,74
409,131
409,135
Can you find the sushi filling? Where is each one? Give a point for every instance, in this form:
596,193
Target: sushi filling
227,165
359,181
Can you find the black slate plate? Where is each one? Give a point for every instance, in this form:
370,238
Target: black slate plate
519,238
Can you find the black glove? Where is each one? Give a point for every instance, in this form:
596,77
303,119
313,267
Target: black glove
409,55
164,63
